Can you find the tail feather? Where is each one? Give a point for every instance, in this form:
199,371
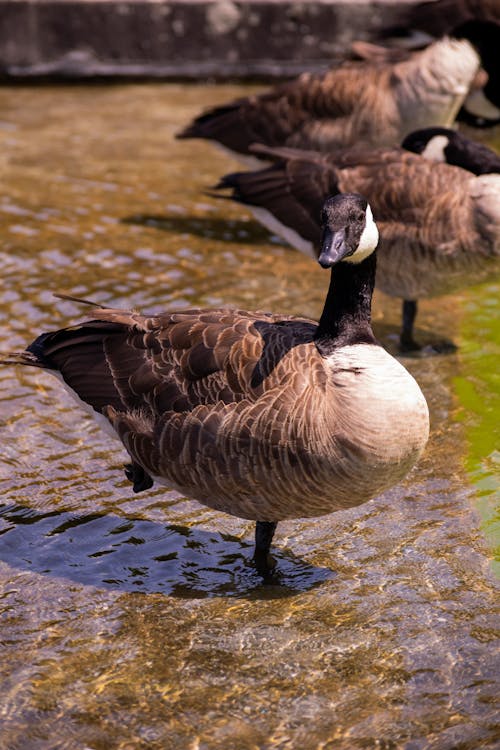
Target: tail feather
80,300
34,355
214,123
25,358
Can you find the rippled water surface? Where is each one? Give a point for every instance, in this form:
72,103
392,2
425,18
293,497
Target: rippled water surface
137,621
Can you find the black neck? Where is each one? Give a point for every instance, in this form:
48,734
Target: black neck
346,317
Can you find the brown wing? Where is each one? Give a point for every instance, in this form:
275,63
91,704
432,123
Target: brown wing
290,114
292,189
211,450
409,195
172,361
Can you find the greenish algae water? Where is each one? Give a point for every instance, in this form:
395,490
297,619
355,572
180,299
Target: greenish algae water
137,622
478,392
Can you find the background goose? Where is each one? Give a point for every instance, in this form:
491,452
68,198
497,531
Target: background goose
439,224
377,104
481,107
262,416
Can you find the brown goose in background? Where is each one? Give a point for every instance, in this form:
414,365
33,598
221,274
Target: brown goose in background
478,21
439,224
481,107
262,416
377,104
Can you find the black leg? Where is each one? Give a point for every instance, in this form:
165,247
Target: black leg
407,342
264,532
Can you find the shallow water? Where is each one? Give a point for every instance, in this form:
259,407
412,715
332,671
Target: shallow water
137,621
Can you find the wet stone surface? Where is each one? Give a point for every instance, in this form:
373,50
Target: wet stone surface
138,621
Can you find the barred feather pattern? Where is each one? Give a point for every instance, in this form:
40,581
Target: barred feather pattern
240,410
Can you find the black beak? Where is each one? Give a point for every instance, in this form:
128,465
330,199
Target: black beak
333,247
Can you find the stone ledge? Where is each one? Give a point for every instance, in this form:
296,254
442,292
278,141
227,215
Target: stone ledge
199,38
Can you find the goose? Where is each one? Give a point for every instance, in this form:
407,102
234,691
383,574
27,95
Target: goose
481,107
377,104
439,224
452,147
259,415
479,23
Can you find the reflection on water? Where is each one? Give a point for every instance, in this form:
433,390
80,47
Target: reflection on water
137,621
206,227
132,554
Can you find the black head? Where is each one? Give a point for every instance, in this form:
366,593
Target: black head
436,139
348,231
452,147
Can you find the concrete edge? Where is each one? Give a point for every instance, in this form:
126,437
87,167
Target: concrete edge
199,38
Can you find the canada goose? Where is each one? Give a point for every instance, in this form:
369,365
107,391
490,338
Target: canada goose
479,23
439,224
262,416
481,107
377,104
444,144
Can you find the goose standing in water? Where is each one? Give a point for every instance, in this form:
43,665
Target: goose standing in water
439,224
360,102
262,416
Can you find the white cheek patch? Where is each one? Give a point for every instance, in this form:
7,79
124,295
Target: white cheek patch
368,240
434,151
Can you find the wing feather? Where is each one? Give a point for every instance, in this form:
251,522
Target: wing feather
171,362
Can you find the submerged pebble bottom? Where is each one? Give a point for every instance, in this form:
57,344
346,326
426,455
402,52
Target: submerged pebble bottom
137,621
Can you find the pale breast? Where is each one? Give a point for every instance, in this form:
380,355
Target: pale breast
379,403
